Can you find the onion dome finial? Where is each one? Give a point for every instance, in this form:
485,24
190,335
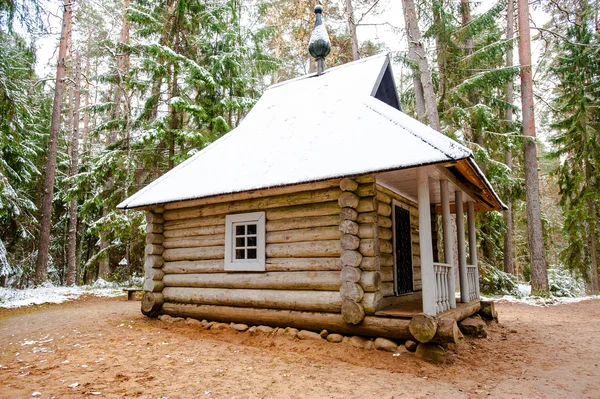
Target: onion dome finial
319,45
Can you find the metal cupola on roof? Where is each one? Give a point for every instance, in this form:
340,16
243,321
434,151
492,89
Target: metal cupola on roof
319,45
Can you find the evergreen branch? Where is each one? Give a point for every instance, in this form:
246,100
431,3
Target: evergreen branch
565,38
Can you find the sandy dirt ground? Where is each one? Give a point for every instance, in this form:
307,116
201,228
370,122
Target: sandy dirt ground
99,347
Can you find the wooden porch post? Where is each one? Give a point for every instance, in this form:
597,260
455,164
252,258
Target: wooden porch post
426,248
448,242
462,257
473,242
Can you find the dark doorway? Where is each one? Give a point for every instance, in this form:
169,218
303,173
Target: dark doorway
402,251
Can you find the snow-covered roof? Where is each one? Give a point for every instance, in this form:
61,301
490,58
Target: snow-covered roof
307,129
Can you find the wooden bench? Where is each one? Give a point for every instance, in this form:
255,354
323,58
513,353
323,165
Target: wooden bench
130,292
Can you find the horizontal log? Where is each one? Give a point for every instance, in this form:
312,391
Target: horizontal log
196,231
352,312
385,246
447,332
371,326
351,291
197,266
383,197
373,217
383,209
199,253
153,249
303,223
462,311
366,190
350,274
154,228
364,179
369,230
423,327
387,274
196,241
348,200
396,196
154,238
370,263
154,218
348,214
369,247
348,227
319,301
327,248
300,198
323,209
153,274
351,258
195,222
319,281
367,204
281,190
153,286
303,264
385,234
310,234
349,242
371,302
386,260
348,184
387,289
153,261
370,281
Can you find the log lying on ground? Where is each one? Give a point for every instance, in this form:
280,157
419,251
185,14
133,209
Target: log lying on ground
190,267
323,209
300,198
319,301
302,223
463,311
310,234
447,332
488,310
333,322
423,327
303,264
327,248
320,281
152,303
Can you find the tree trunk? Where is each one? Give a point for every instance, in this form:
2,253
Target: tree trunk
417,51
86,114
72,230
539,274
592,238
46,221
352,29
509,266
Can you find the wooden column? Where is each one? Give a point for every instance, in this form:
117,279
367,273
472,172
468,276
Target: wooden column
473,242
462,257
448,241
427,273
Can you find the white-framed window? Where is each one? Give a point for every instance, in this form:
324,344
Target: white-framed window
245,242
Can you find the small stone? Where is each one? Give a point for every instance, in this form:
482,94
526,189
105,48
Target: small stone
166,318
265,329
432,352
305,334
204,323
210,324
345,340
384,344
410,345
359,342
369,345
335,338
291,332
280,332
193,322
177,319
240,327
252,330
401,349
220,326
474,327
324,334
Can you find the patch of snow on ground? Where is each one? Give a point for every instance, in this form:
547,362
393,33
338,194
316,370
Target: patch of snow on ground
526,298
14,298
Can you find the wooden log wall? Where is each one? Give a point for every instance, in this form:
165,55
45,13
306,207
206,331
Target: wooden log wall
303,249
154,261
386,270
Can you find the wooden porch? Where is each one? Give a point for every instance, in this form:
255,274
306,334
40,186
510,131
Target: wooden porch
407,310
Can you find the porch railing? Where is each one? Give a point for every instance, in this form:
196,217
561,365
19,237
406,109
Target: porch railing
473,280
442,286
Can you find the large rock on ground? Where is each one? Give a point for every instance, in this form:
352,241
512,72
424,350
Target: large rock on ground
474,327
240,327
431,352
305,334
335,338
193,322
358,342
384,344
410,345
265,329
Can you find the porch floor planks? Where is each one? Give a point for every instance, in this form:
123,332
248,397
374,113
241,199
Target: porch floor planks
406,310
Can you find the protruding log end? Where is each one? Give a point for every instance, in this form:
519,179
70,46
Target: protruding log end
352,312
423,327
152,303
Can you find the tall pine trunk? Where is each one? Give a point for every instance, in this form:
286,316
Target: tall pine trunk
539,274
509,266
72,230
41,269
352,29
418,56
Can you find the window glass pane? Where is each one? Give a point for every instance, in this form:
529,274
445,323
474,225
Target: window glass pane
240,230
239,254
251,254
251,229
240,242
251,241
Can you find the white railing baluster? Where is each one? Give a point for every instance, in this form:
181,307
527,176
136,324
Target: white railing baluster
442,284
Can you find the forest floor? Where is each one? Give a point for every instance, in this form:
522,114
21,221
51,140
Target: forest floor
104,347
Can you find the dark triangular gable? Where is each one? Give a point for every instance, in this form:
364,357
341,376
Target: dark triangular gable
386,90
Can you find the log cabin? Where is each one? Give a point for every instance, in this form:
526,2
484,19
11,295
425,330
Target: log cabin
316,213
